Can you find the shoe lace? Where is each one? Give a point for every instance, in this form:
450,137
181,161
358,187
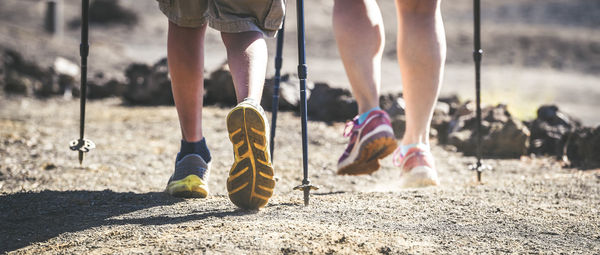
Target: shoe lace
397,158
349,129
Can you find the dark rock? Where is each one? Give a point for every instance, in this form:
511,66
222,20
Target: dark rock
102,87
331,104
69,84
68,73
389,103
502,135
14,61
148,85
549,130
2,74
27,78
289,93
399,125
394,105
441,109
453,102
109,12
582,148
220,89
440,123
16,84
48,86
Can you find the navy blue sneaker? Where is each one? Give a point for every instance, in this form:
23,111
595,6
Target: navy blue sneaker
190,178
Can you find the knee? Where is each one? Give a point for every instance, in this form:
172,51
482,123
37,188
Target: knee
417,6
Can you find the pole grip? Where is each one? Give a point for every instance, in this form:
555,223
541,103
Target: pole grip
302,71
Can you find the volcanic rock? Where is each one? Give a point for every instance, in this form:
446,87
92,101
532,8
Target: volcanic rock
219,89
549,131
440,123
109,12
289,93
395,106
582,148
453,102
102,87
148,85
390,104
502,135
27,78
331,104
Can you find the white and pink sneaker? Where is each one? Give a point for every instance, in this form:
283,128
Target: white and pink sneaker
417,166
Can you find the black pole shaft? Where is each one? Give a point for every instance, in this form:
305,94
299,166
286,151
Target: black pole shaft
477,56
302,75
276,82
83,52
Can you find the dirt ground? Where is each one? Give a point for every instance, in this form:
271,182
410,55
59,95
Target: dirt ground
115,204
536,52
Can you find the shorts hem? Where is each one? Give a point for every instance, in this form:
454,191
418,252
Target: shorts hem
240,26
183,22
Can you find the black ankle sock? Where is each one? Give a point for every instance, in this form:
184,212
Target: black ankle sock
199,148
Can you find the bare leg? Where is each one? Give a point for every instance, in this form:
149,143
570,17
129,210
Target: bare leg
358,30
250,183
185,53
421,55
247,58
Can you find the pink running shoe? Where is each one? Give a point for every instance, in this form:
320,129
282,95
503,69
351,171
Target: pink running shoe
372,140
418,169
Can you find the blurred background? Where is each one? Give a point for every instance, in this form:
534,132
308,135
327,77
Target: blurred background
535,51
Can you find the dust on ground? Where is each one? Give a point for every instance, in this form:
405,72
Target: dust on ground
536,51
115,203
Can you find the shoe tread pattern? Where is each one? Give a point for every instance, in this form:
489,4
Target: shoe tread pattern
250,183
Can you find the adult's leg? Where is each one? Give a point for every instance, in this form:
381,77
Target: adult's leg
247,57
358,30
185,53
421,55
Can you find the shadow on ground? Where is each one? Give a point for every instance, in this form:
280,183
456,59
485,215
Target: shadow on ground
26,218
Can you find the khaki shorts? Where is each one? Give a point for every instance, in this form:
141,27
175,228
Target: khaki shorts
230,16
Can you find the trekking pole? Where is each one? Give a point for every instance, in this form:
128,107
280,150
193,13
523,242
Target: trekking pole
83,145
477,56
302,74
276,81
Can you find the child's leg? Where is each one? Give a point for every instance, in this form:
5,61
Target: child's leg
250,183
185,51
247,57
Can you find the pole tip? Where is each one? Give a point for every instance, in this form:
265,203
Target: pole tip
80,158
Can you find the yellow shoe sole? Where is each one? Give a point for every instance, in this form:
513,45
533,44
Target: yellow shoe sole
250,183
190,186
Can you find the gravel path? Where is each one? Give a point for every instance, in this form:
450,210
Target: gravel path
115,204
